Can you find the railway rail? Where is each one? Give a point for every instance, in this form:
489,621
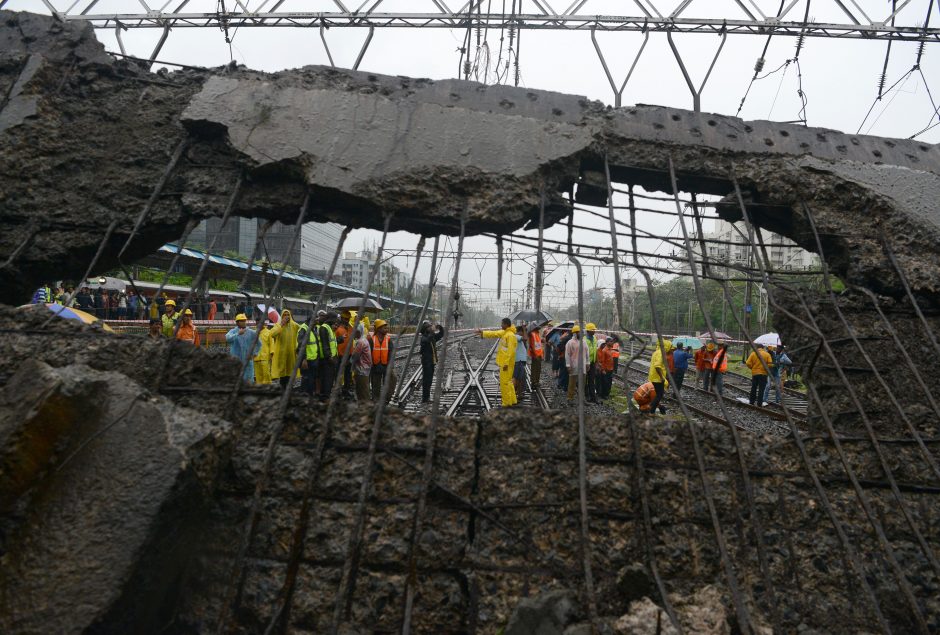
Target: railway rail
471,383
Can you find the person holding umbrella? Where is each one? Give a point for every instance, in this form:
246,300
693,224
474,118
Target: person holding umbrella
243,346
429,339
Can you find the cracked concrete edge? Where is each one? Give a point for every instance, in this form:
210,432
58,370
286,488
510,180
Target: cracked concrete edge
369,144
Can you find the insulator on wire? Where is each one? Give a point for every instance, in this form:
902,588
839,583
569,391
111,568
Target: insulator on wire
799,44
466,68
759,65
881,84
920,51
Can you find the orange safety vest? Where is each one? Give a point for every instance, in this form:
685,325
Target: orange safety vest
342,331
535,345
188,333
643,396
615,350
723,358
380,350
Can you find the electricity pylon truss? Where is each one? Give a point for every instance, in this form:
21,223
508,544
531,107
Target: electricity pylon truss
898,21
905,20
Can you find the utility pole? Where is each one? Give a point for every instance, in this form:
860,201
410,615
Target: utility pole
748,285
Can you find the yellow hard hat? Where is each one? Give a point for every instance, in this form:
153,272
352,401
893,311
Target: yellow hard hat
188,312
240,316
170,303
575,329
380,323
710,346
590,327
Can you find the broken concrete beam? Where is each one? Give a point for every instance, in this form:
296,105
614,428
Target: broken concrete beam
89,140
101,489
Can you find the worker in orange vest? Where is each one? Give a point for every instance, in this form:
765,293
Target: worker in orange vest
643,398
382,353
536,354
613,343
719,368
703,364
605,369
187,331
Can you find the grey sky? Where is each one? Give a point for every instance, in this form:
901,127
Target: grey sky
839,79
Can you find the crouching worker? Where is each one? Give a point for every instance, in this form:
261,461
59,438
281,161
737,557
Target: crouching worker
505,359
643,398
243,345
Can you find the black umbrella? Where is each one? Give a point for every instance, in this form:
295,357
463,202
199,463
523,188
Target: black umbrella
353,304
530,315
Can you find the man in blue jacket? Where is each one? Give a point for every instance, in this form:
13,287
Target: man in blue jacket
680,359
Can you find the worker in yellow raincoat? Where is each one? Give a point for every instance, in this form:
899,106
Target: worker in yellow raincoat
284,348
659,374
263,357
505,359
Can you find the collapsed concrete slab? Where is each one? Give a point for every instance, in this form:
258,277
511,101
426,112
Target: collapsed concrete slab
90,143
101,489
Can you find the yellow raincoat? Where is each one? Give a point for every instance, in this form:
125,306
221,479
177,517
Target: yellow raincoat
283,346
754,362
506,360
263,358
658,371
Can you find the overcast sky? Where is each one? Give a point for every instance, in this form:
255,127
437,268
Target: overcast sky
839,78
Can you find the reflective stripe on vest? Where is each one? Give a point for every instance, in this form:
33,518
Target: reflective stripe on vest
311,348
644,394
332,337
723,358
380,350
592,348
535,343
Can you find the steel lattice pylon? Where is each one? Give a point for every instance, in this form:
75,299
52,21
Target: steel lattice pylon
905,23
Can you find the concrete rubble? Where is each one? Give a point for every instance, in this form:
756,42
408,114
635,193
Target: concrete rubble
127,471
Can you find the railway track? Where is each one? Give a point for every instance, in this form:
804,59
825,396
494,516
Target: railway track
702,403
740,385
471,383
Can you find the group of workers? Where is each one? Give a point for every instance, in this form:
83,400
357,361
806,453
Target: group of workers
586,357
711,365
285,348
530,344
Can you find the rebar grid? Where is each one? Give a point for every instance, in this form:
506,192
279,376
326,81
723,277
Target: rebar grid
351,563
428,466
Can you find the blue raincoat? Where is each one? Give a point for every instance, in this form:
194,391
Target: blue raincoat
238,347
